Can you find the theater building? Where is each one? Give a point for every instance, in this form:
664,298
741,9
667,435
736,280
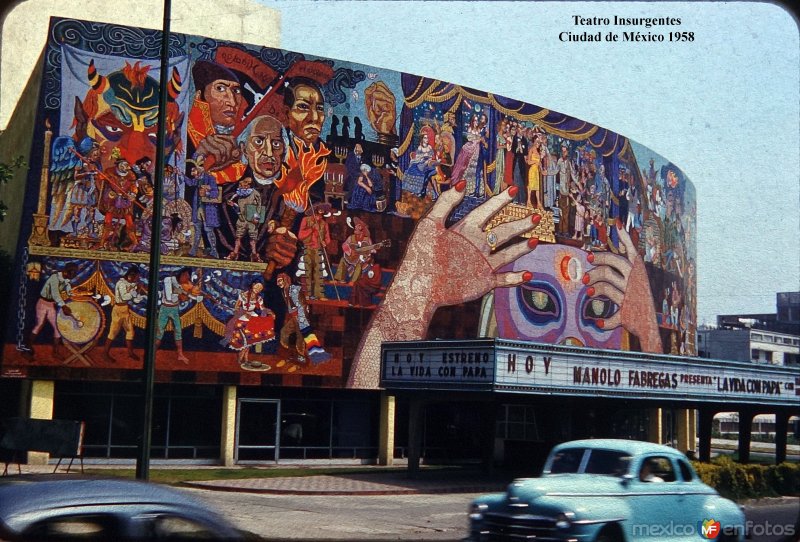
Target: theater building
356,264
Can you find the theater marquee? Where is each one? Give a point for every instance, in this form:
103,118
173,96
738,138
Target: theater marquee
506,366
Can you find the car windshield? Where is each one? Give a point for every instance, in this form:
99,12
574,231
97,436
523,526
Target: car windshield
604,462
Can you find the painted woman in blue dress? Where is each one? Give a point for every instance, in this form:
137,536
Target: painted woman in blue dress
422,167
365,192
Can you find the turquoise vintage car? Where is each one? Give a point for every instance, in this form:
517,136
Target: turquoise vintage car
606,490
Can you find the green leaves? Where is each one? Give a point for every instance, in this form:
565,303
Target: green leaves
6,174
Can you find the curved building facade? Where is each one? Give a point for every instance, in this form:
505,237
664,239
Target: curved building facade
315,209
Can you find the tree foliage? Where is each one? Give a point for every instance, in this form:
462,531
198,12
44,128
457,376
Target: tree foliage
6,174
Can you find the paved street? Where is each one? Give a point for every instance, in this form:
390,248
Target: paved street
391,507
345,517
378,506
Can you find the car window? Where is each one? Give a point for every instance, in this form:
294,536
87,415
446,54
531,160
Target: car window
168,527
75,527
567,461
686,471
657,469
609,462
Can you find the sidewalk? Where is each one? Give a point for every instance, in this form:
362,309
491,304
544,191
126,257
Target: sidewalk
378,483
372,481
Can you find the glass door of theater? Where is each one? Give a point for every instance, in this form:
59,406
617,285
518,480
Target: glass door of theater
257,430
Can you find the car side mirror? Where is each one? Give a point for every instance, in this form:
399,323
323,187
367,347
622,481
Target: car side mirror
625,479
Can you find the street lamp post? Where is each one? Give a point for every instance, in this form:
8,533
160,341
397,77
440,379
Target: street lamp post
143,457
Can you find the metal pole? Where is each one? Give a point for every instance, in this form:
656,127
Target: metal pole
143,458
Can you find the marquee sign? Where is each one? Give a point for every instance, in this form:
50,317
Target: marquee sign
470,366
506,366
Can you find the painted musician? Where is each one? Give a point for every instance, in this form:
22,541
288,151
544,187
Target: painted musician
51,300
349,268
218,105
368,284
127,290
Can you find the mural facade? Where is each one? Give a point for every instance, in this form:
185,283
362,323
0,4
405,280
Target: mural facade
314,208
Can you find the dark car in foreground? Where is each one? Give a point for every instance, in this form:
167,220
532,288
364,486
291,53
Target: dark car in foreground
77,508
607,490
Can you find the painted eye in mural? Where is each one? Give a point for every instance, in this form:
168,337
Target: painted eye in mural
539,302
597,308
111,132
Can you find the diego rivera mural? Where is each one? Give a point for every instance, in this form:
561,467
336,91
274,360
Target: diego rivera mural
315,208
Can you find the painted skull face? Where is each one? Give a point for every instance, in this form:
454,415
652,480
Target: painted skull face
554,306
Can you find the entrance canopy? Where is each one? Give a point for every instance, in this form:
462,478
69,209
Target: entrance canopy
530,368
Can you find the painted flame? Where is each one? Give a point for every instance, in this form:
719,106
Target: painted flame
300,172
136,74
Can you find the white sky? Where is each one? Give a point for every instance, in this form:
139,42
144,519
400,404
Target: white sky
725,108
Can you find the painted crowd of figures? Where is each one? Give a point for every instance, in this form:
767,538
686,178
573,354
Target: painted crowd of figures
279,169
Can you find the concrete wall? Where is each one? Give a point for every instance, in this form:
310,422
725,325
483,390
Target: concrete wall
732,344
13,143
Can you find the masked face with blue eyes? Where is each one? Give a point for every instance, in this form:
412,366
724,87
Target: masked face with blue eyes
554,307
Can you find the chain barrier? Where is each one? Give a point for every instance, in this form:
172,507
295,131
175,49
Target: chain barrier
23,297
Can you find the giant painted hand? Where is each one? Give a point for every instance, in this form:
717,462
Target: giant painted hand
281,245
222,148
380,104
623,280
443,266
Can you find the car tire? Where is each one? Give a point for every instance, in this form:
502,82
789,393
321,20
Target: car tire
609,534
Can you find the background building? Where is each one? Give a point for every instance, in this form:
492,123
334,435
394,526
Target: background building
762,338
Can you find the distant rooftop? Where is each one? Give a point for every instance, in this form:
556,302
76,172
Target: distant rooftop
785,320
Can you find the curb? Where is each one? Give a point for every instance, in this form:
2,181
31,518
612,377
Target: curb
335,492
771,501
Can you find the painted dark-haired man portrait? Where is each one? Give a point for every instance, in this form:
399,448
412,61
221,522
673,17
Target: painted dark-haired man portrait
218,105
306,110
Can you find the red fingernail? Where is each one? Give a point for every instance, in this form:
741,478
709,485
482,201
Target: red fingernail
590,257
600,323
532,243
460,185
585,278
590,292
619,224
512,192
527,276
536,219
